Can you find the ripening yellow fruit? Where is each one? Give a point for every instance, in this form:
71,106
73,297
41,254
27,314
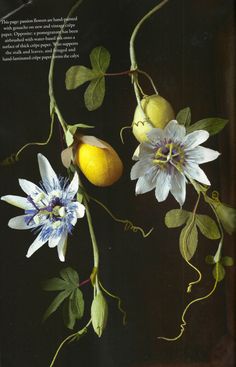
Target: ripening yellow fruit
158,110
101,166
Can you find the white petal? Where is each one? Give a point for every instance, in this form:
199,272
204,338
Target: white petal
38,242
162,185
20,223
192,170
29,187
145,183
178,187
74,220
202,155
195,138
61,247
73,187
146,150
47,173
174,131
155,135
53,241
18,201
140,168
80,210
136,154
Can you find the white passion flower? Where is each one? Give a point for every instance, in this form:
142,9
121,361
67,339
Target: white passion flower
168,159
50,209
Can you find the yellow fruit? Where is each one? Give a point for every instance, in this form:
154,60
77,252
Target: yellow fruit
101,166
158,110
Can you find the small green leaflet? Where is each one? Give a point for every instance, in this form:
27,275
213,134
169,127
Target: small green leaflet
184,116
71,130
94,94
212,124
70,296
188,239
100,59
207,226
56,303
73,308
70,276
176,218
227,261
227,216
218,271
54,284
80,333
78,75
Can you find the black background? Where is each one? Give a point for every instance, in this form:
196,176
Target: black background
188,49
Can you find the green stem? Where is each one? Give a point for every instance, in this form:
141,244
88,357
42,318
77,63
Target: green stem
184,248
128,224
184,323
53,104
217,256
134,64
92,235
40,143
120,73
149,78
67,339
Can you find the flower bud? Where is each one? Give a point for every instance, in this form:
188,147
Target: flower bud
99,313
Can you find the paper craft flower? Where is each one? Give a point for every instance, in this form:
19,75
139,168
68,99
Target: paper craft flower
169,159
51,209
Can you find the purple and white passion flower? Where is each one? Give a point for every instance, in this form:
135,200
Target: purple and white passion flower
169,159
51,209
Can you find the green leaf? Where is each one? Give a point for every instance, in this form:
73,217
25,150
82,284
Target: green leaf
70,276
100,59
94,94
68,316
227,261
184,116
176,218
227,216
77,303
56,303
54,284
212,124
208,227
188,239
209,259
73,309
218,272
78,75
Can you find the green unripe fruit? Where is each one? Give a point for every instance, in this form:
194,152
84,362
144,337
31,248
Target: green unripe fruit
157,109
99,313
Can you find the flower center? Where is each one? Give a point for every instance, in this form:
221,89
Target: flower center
55,211
169,154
